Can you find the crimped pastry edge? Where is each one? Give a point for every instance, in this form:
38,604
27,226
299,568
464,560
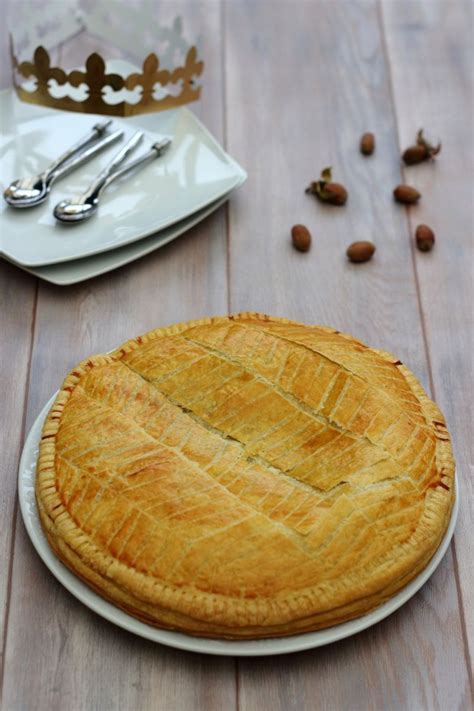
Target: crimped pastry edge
214,615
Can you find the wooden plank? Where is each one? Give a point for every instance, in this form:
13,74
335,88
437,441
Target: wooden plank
17,299
436,39
304,80
59,654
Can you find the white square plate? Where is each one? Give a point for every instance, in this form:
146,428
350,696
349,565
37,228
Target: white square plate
78,270
194,172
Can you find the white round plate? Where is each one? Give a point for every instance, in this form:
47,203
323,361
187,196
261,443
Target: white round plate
193,172
245,648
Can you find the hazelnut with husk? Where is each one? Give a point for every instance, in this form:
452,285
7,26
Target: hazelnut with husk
423,150
327,191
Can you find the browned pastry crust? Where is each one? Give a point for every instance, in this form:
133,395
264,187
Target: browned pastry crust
245,476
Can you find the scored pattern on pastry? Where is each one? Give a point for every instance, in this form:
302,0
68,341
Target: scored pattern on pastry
263,469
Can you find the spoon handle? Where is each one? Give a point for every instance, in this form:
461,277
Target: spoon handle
155,151
100,182
86,155
97,132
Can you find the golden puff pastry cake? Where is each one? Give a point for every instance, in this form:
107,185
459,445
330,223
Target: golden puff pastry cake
245,476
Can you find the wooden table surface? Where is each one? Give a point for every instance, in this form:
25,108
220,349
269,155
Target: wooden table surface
289,87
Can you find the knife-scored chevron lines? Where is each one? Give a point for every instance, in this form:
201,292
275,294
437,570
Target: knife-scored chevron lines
245,476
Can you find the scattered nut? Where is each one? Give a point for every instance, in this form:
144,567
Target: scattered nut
301,238
406,194
425,238
360,251
423,150
327,191
367,144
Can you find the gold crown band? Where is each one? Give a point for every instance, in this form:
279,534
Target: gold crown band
96,79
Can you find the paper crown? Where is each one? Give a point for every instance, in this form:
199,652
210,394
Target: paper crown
114,88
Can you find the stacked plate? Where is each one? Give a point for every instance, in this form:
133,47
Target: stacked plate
137,214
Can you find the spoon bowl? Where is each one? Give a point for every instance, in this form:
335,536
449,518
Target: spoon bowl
27,192
75,210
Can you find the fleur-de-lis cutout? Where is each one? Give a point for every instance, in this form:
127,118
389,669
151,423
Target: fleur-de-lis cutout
150,76
42,70
191,68
96,79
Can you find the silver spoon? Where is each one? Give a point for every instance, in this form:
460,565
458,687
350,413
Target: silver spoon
31,191
84,206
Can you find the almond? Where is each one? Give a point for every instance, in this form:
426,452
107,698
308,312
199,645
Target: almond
367,144
406,194
301,238
425,238
360,251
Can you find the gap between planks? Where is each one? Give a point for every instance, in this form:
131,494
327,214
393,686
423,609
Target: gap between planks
222,25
